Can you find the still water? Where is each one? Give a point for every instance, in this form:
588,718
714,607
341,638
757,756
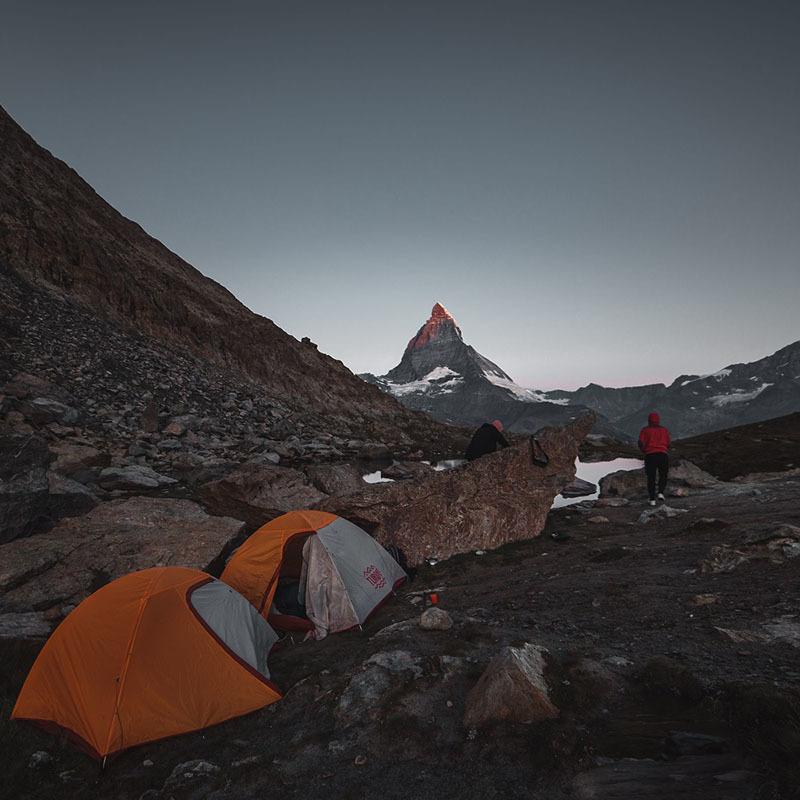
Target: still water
593,471
590,471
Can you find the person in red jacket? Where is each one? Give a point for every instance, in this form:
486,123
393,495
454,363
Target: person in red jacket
654,441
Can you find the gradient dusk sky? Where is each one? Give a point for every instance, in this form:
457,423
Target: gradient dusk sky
598,191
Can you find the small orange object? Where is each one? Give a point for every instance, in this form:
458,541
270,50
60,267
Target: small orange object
434,598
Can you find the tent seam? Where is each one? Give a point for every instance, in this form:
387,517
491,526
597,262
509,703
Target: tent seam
129,652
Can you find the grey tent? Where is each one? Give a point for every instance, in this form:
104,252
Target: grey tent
310,570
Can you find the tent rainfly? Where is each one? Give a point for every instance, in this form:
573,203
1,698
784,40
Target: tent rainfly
152,654
310,570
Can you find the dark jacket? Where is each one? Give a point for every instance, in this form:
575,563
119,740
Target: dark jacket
485,440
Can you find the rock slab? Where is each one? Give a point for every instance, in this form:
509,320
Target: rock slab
500,498
257,493
80,554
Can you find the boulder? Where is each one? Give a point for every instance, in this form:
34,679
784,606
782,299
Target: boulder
406,470
149,419
363,698
335,479
257,493
435,619
80,554
67,498
20,453
578,487
174,428
44,410
24,385
133,477
23,485
632,483
511,689
499,498
25,625
23,505
612,502
374,451
660,512
71,458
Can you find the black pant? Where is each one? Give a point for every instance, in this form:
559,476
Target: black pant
656,462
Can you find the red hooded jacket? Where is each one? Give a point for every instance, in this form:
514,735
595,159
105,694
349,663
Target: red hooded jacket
654,438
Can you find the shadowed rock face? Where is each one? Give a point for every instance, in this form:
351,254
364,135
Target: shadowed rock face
496,499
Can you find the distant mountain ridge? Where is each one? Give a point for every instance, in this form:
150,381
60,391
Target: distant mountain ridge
441,374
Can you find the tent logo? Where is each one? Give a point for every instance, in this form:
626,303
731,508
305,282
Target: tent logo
375,576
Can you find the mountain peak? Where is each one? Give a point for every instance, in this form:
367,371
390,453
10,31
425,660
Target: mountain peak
440,312
441,323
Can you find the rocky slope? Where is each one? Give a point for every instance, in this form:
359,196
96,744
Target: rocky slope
441,374
746,449
662,653
59,235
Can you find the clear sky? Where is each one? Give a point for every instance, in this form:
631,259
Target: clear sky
604,191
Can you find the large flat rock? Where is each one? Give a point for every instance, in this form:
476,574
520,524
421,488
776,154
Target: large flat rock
80,554
500,498
258,493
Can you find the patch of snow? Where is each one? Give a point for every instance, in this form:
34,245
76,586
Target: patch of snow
449,463
723,373
376,477
433,380
738,396
520,392
440,372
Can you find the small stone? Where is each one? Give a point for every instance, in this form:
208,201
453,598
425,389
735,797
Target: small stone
435,619
175,429
39,759
511,689
360,760
147,763
704,599
190,771
598,519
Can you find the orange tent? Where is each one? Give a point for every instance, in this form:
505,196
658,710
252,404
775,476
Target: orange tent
255,567
335,573
152,654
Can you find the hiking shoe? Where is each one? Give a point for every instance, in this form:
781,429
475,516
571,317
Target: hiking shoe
652,502
661,496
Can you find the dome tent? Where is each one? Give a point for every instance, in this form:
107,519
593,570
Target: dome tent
152,654
338,573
